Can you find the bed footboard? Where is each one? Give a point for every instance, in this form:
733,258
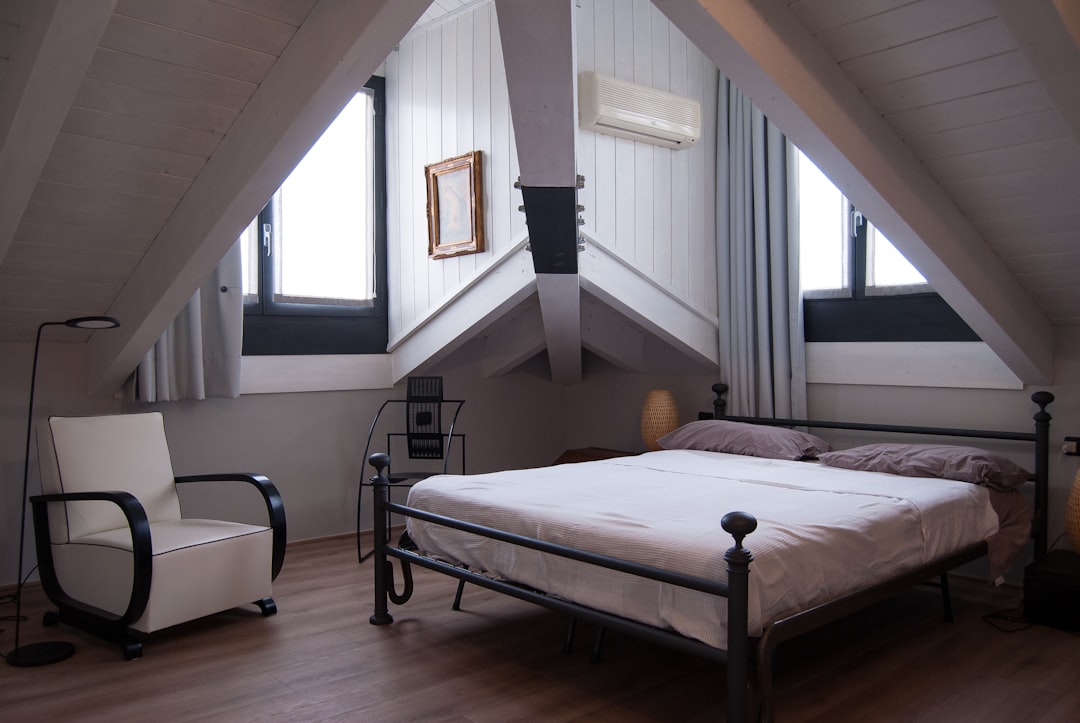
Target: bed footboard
738,524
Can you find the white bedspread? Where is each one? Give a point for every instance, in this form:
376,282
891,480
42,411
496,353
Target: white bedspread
822,532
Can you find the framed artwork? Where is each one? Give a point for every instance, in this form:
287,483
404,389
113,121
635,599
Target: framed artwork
455,208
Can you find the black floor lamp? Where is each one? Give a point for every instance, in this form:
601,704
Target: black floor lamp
48,652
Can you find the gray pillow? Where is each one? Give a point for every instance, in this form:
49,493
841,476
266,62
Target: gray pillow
966,464
755,440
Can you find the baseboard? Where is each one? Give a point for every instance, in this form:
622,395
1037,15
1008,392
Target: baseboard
367,537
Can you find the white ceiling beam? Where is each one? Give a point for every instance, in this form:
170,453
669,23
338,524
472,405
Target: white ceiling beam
1045,40
339,46
57,39
560,309
538,51
769,54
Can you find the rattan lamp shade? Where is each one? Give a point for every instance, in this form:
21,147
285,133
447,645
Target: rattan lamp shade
659,416
1072,514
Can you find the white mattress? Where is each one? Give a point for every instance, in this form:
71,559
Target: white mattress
822,532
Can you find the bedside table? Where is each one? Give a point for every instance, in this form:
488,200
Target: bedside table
1052,590
589,454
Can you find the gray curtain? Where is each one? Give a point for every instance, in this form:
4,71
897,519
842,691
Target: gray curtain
198,356
761,327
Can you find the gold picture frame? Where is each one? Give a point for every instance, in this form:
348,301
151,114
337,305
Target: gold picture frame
455,208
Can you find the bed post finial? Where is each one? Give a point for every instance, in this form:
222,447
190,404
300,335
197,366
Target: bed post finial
719,404
738,525
1043,399
380,491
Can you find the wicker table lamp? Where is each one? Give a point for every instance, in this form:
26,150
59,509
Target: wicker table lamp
659,416
1072,514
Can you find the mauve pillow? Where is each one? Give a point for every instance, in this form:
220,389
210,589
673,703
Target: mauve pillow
756,440
966,464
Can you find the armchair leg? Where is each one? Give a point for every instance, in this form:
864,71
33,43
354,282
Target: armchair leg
132,648
268,606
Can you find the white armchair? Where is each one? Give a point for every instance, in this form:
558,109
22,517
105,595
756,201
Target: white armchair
115,555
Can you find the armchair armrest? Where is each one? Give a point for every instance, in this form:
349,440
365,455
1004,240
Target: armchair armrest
141,547
275,507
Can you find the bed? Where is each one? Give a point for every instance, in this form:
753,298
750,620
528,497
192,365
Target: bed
739,535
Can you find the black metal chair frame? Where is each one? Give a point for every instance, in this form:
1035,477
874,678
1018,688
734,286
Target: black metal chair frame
409,478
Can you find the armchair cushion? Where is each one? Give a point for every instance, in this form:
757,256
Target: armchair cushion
91,450
200,567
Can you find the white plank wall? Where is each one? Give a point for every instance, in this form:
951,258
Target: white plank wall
446,95
651,206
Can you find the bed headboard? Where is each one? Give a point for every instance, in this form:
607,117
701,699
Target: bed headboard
1040,438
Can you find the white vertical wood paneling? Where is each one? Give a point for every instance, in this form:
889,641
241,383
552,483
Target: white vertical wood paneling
661,240
679,233
476,108
651,206
451,97
600,216
584,20
433,290
504,222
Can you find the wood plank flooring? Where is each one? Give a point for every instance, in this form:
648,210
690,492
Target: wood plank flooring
500,660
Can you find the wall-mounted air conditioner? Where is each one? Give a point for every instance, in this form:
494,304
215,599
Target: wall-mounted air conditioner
629,110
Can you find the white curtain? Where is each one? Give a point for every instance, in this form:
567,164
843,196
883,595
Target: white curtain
761,326
198,356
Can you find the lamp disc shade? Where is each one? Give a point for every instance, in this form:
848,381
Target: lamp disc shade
93,322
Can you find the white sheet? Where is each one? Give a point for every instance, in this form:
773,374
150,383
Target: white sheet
822,532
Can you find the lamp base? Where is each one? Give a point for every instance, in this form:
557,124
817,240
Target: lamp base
45,653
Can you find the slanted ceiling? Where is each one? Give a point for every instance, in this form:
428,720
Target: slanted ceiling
138,137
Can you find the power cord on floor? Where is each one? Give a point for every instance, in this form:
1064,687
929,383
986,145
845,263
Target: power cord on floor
12,598
1009,620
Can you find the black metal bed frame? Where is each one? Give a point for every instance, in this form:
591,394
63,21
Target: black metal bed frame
739,653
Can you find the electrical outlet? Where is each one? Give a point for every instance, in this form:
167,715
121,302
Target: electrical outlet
1071,445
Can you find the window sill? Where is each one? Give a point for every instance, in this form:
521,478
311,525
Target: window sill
321,373
958,365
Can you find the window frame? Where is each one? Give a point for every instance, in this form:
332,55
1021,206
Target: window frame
290,328
878,313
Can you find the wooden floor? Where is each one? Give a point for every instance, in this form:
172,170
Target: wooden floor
500,660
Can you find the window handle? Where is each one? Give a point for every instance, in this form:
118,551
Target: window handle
267,238
857,219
